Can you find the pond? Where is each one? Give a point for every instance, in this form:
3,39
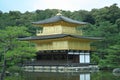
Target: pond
72,76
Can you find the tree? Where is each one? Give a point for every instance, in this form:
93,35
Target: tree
83,15
113,58
110,14
12,50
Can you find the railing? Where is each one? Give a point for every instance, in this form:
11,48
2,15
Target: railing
78,32
55,63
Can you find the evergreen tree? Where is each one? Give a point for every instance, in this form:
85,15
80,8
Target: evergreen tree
12,50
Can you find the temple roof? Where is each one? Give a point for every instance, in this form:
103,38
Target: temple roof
56,36
59,18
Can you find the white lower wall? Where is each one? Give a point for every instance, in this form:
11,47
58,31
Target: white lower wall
84,58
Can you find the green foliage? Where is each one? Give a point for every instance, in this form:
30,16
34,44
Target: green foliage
83,15
113,57
15,48
95,58
14,69
110,14
12,50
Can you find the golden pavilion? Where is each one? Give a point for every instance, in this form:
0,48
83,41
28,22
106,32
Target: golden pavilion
61,43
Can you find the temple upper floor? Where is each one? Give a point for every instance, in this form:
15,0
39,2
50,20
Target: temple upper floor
58,29
59,25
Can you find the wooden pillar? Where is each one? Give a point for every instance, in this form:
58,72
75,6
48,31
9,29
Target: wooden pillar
67,58
52,57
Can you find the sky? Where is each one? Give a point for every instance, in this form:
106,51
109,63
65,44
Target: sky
72,5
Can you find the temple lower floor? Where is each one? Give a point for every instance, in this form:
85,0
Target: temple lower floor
62,57
61,61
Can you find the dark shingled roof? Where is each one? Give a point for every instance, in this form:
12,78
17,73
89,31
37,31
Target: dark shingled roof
55,36
59,18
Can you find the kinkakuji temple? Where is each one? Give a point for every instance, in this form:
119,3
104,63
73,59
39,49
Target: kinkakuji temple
60,43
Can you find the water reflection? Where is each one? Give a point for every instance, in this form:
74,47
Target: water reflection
85,76
71,76
116,74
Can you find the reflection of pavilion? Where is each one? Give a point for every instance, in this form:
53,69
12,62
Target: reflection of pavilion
58,76
85,76
60,43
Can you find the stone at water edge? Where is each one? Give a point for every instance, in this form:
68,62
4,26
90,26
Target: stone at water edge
116,70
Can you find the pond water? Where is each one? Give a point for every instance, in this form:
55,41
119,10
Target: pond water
72,76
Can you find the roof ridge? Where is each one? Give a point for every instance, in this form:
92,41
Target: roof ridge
58,18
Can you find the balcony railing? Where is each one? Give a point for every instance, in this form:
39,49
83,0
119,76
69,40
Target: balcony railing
55,63
78,32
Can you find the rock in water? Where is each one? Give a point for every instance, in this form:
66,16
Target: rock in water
116,70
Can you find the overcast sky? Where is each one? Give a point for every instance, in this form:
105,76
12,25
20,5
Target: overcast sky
72,5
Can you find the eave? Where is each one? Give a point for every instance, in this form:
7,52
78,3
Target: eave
57,36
